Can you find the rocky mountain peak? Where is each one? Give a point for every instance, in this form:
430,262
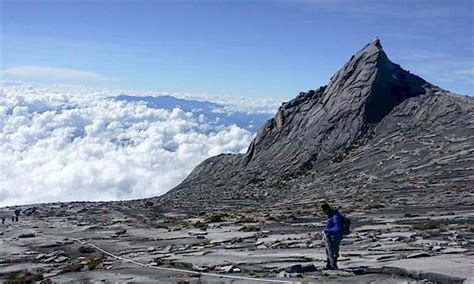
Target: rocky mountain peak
335,116
373,83
313,129
365,62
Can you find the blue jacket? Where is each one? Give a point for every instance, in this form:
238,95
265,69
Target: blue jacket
333,226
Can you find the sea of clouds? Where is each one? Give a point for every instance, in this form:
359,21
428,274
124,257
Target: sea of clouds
73,143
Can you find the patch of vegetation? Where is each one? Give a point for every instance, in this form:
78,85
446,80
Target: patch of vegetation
470,229
95,263
425,226
340,156
159,261
277,184
215,217
174,264
181,265
24,276
279,217
306,167
248,219
72,267
429,233
200,225
249,228
375,206
272,218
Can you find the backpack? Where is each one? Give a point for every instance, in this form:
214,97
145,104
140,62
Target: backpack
346,225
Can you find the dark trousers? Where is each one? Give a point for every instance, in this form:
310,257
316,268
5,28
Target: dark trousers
332,251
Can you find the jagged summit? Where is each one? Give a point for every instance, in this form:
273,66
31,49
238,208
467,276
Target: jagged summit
375,44
311,131
320,122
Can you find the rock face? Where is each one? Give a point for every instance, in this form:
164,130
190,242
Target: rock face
368,99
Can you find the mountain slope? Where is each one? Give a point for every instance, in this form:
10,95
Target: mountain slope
368,102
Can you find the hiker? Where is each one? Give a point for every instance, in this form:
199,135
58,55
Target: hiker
333,234
17,213
3,216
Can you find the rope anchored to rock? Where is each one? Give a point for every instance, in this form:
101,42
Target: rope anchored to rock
169,268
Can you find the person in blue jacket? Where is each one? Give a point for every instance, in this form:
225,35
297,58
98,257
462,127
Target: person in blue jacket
332,235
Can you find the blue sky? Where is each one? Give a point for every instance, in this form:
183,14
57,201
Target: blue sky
240,48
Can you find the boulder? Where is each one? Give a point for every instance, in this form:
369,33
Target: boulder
86,249
298,268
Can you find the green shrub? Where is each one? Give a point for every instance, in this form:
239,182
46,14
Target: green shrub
215,217
200,225
95,263
24,276
72,267
249,228
425,226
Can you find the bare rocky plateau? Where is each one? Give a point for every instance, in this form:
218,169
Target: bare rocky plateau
390,150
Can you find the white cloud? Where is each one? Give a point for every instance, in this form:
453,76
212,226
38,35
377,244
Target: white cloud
65,143
31,72
230,103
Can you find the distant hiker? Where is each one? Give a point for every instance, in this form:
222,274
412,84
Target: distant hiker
17,213
3,216
336,227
